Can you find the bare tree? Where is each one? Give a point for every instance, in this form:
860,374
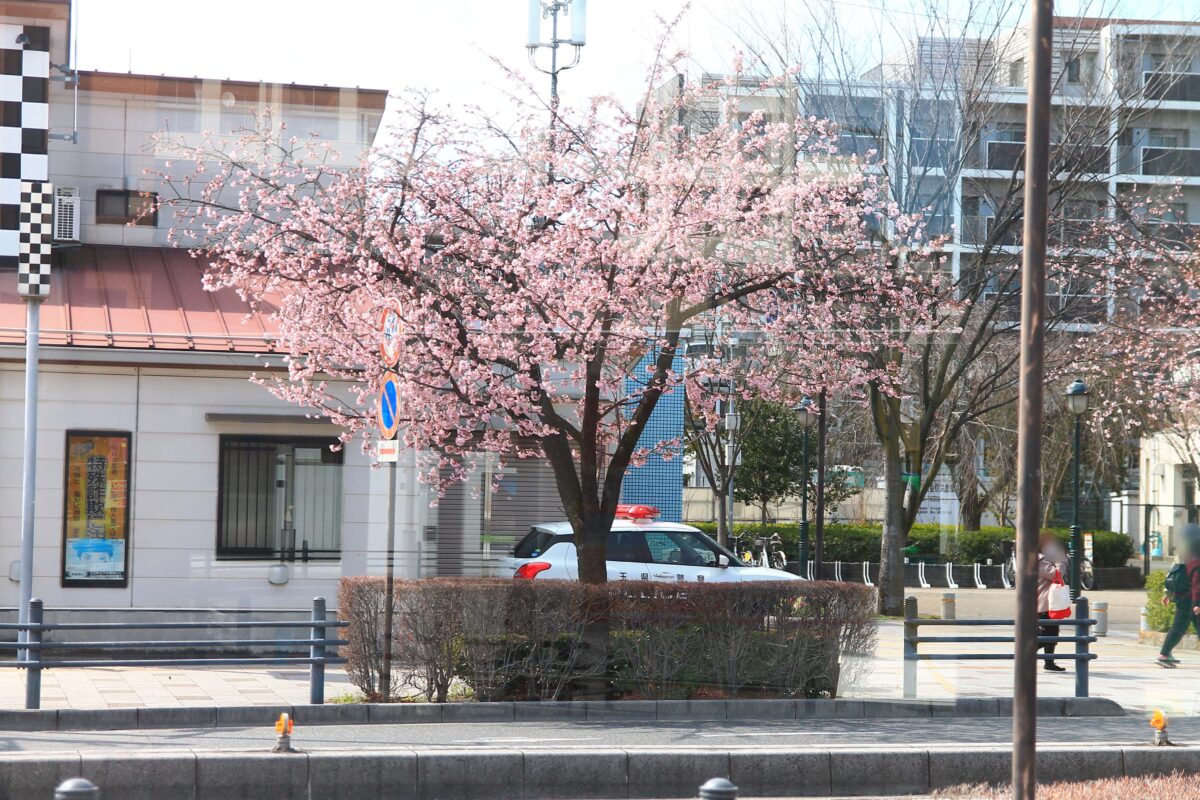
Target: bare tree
942,122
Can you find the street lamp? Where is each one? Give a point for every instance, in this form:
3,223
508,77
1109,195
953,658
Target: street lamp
808,418
1077,402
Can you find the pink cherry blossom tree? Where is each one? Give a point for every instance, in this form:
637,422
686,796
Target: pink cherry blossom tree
536,266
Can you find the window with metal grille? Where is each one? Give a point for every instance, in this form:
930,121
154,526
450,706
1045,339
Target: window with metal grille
279,497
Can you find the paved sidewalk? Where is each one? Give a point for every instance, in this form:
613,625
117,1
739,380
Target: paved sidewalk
1124,671
165,687
1124,607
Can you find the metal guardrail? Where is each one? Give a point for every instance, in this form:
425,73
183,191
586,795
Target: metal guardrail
31,649
912,641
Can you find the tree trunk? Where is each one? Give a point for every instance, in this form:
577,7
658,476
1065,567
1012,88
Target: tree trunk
722,520
590,542
971,510
895,532
763,513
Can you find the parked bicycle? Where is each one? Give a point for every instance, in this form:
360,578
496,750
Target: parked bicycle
770,550
1087,571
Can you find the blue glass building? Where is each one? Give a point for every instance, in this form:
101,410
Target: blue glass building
658,482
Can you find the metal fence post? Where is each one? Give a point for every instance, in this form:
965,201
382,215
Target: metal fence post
33,657
910,646
316,671
1082,633
77,789
718,789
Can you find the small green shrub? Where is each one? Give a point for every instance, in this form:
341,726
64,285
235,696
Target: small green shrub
1158,616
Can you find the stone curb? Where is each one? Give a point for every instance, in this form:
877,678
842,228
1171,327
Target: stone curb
537,774
71,719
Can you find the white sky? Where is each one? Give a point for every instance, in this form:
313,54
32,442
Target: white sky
445,45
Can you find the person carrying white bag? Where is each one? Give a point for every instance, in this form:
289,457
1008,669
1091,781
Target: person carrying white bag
1053,596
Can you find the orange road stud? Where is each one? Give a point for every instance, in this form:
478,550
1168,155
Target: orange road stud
283,729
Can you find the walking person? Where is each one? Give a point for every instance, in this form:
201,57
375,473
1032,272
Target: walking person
1182,587
1052,564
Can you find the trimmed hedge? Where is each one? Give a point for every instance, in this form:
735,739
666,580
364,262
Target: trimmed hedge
861,542
1158,616
555,640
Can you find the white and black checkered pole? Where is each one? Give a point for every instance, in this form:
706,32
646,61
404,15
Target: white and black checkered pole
33,284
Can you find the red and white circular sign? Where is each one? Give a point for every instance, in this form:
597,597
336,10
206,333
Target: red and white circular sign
389,345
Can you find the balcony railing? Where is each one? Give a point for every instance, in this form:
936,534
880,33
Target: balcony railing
979,231
1178,162
861,145
1182,86
1063,158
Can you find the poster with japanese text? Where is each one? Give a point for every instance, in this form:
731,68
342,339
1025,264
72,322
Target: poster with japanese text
96,509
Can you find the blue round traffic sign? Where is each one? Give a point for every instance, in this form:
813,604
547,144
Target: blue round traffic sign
387,412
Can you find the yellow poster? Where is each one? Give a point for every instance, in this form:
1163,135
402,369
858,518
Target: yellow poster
96,516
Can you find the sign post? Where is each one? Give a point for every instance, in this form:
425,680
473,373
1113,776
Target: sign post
33,284
387,416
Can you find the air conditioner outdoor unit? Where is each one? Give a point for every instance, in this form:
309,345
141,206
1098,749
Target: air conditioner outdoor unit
66,214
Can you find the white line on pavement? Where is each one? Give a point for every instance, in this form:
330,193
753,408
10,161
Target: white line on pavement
530,739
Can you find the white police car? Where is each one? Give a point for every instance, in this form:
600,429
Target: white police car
639,548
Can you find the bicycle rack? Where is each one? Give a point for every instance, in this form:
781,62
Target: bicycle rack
950,584
979,584
1004,577
808,571
867,574
921,575
837,571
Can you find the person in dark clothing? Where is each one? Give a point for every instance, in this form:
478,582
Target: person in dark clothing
1187,601
1052,561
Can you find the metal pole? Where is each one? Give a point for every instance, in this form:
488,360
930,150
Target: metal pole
820,480
33,313
1029,420
389,593
33,658
911,630
553,63
1149,509
730,455
804,504
1076,533
316,670
1081,647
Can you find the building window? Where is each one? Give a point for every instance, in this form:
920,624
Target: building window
178,117
125,207
1016,73
1074,71
1168,137
279,497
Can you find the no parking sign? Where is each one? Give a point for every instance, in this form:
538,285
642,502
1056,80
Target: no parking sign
387,411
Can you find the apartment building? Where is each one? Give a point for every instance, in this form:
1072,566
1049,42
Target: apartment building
944,120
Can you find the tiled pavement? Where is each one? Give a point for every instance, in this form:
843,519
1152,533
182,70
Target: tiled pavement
126,687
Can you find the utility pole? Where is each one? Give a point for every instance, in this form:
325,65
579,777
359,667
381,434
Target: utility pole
33,285
1029,415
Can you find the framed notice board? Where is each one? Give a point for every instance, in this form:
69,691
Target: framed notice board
96,509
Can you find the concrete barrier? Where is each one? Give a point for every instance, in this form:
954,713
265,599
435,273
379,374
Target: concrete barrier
72,719
540,773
